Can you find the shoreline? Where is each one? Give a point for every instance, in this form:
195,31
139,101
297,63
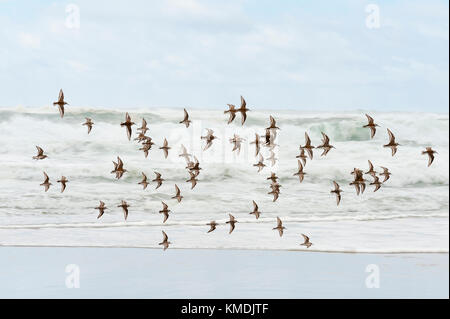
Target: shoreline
231,249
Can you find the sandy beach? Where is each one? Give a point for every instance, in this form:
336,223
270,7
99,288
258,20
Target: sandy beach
40,272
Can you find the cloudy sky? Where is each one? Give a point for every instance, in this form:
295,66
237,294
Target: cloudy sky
290,54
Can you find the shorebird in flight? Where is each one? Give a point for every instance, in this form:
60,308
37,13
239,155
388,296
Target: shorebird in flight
40,154
148,141
141,137
165,211
89,124
212,226
306,242
158,179
302,155
144,182
273,177
270,137
145,148
279,227
61,103
359,181
236,141
128,123
376,182
124,206
430,152
192,180
385,173
275,191
63,182
177,196
184,153
275,186
165,148
257,144
300,172
195,166
232,223
209,138
392,144
337,191
260,163
143,127
146,145
243,109
255,211
273,124
272,158
165,243
308,147
118,168
185,120
325,144
371,171
101,209
371,125
46,182
232,110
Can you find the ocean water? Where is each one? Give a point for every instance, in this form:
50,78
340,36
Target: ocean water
410,213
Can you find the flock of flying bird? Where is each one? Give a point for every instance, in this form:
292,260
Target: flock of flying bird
266,140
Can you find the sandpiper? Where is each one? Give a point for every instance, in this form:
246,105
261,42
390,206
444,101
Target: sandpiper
165,211
243,109
185,120
63,182
392,144
371,125
165,243
308,147
232,223
279,227
143,127
385,173
101,209
40,155
325,144
212,226
300,172
124,206
257,144
128,123
376,182
61,103
371,171
255,211
232,110
46,182
302,155
89,124
337,191
158,179
209,138
306,242
144,182
260,163
165,148
192,180
430,152
177,196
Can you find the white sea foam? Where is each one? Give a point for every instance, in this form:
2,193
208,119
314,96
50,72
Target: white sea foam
409,213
